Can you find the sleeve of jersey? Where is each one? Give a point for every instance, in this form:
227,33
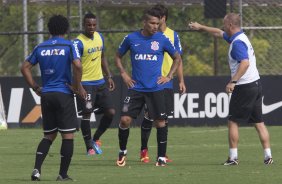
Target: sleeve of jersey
239,51
177,43
75,51
124,46
169,47
32,57
79,46
226,37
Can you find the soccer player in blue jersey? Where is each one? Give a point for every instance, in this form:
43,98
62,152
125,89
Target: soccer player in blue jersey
55,58
146,83
147,122
246,99
91,48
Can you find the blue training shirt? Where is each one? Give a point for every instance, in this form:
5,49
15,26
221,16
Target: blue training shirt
146,53
55,57
239,50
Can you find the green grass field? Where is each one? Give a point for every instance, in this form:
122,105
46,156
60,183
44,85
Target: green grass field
197,155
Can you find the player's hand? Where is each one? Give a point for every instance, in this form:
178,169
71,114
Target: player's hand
111,83
194,26
37,90
81,92
182,88
128,80
229,87
163,80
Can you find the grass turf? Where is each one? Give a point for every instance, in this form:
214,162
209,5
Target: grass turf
197,155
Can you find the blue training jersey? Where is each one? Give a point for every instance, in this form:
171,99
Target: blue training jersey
55,57
146,53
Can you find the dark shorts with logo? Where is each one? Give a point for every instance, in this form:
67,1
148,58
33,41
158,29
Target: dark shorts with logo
246,103
58,112
169,103
135,101
98,99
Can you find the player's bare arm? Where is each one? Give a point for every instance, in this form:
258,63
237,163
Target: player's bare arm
26,71
181,83
244,64
212,30
106,70
126,78
77,75
176,60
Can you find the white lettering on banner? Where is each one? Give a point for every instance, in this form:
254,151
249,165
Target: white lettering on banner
35,97
222,105
179,110
210,99
191,105
15,105
214,105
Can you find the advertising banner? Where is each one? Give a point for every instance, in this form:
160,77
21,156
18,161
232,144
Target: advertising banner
204,103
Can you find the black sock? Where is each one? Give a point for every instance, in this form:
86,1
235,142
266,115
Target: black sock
86,133
41,153
146,128
66,155
123,137
105,123
162,141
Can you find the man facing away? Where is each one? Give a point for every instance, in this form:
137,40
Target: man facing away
91,47
146,83
246,99
55,57
147,122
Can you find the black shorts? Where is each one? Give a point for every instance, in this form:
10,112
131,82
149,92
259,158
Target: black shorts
246,103
58,112
169,103
98,99
135,100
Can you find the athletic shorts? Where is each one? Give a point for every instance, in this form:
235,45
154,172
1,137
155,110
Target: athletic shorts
246,103
98,99
58,113
169,103
135,101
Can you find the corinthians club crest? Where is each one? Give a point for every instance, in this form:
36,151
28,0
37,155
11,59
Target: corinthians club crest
155,45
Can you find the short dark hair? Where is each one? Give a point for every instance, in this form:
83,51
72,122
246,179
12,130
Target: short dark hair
58,25
151,12
89,16
163,10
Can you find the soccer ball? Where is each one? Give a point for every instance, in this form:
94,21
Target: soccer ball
3,125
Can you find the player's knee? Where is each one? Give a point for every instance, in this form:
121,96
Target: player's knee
125,121
160,123
110,112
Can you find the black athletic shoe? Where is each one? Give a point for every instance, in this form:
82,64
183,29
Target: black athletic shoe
231,162
161,162
35,175
268,161
60,178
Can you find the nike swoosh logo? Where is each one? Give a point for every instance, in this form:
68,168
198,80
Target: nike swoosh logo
269,108
94,58
136,45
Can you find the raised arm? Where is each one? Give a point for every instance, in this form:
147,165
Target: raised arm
212,30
